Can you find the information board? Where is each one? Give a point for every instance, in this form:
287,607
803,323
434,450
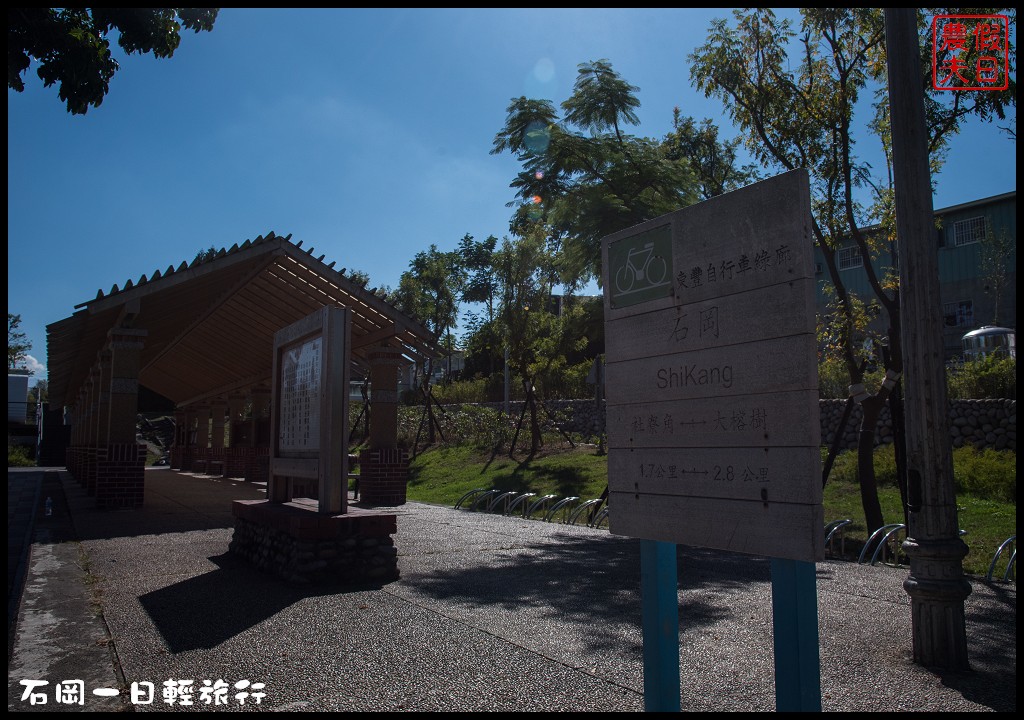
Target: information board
711,375
299,429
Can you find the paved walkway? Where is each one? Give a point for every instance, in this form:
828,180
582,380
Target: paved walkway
490,614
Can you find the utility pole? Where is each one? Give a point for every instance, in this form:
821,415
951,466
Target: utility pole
936,584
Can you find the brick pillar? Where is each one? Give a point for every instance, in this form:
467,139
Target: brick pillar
121,464
384,467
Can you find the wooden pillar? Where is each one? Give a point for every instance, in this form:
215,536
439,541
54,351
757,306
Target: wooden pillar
260,410
218,410
236,406
384,364
121,462
257,461
180,439
384,467
125,348
103,366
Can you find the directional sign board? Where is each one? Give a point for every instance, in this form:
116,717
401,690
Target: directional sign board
711,375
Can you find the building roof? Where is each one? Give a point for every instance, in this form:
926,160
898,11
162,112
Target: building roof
210,324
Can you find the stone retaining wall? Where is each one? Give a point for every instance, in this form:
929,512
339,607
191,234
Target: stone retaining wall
982,423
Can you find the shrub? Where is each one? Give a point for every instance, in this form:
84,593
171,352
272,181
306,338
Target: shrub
988,474
462,391
18,456
989,377
834,379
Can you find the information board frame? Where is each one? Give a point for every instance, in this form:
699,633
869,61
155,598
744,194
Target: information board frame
309,402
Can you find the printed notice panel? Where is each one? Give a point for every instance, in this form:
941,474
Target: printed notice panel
300,397
711,377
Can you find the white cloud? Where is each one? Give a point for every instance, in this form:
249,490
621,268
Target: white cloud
35,367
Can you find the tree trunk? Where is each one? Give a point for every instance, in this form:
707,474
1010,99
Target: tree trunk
536,441
871,409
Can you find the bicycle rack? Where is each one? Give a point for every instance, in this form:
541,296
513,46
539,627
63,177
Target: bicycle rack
834,527
886,532
467,496
505,497
578,510
601,517
563,503
538,503
1012,540
483,502
521,500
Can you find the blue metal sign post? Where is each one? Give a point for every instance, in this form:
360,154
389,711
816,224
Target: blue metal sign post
660,619
795,627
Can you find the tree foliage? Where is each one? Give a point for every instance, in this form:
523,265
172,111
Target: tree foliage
714,162
17,342
431,290
583,176
72,48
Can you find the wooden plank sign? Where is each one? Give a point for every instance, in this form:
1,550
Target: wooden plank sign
711,375
310,407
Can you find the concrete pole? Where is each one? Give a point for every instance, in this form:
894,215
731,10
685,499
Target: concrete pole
936,583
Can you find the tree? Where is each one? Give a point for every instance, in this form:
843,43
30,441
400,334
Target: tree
523,266
203,255
40,392
481,287
996,252
72,47
430,290
804,118
17,343
583,176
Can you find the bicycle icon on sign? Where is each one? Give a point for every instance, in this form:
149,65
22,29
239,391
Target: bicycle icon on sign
643,270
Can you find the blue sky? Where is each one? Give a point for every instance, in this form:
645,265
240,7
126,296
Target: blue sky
365,133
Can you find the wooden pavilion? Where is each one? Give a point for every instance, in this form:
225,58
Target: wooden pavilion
202,336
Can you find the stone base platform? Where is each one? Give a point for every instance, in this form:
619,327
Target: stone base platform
295,542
